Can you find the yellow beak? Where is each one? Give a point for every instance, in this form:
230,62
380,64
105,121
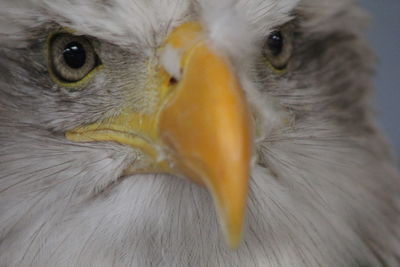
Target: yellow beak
201,124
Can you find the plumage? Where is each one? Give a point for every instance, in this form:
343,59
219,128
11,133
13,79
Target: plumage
324,190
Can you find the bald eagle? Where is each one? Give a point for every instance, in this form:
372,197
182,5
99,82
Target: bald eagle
191,133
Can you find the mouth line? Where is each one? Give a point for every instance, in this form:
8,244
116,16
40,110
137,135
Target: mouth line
133,140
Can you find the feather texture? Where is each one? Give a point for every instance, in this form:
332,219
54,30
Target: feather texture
324,190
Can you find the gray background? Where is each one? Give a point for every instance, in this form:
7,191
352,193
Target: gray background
384,33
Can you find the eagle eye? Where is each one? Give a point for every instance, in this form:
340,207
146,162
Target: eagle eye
72,57
278,48
275,43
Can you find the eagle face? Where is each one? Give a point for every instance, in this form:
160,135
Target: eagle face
191,133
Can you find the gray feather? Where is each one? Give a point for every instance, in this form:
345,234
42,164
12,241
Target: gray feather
324,190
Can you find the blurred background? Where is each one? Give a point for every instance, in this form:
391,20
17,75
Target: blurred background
384,33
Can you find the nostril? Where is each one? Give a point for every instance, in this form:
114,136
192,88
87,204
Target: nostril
173,81
170,61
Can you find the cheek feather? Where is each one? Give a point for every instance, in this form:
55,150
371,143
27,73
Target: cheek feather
323,189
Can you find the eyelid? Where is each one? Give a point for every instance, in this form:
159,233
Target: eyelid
79,84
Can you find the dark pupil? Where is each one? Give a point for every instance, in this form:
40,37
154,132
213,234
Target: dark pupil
275,43
74,55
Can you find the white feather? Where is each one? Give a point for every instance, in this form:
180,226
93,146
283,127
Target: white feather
63,204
